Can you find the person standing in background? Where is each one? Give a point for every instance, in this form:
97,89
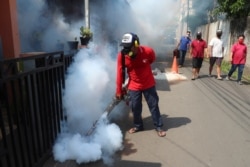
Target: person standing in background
183,46
238,58
215,54
197,49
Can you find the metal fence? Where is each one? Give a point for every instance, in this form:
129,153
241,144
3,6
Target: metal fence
31,107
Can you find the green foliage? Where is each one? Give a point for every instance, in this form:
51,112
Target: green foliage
233,8
85,32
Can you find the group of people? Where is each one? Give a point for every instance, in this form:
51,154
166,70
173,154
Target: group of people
215,52
136,60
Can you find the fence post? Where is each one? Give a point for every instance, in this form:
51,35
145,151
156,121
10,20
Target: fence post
1,49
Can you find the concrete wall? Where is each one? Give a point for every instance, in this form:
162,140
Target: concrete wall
209,31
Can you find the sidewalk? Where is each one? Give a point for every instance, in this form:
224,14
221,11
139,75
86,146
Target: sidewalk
207,123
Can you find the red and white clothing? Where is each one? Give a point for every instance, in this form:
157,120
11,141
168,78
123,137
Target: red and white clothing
138,70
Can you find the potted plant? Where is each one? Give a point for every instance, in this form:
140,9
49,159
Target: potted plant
86,35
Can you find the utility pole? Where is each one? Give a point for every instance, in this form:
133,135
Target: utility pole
187,13
86,5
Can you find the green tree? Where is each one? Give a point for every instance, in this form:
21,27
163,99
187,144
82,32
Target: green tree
233,8
236,11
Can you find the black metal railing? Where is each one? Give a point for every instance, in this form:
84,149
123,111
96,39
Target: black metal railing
31,107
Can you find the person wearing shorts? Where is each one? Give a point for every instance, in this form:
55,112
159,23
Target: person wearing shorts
197,51
215,54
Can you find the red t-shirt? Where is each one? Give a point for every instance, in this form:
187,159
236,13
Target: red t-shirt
198,47
138,69
239,53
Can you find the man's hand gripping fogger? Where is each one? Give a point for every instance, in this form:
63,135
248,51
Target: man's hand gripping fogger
123,96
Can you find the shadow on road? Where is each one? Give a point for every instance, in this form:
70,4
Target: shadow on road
169,123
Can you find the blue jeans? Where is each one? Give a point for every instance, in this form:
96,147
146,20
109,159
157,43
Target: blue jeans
182,57
240,70
152,100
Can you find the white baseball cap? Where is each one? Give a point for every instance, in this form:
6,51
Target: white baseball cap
127,40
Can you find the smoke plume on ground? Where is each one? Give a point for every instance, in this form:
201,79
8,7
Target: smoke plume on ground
86,95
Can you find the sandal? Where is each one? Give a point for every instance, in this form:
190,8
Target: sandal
135,129
219,78
161,132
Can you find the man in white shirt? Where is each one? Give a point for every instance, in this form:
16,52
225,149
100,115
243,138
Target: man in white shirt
215,53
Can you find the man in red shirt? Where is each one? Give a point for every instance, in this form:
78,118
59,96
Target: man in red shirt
198,47
137,60
238,58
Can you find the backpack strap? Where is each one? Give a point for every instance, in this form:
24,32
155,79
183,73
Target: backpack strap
123,68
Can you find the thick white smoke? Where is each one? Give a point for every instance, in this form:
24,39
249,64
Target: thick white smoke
86,95
90,84
158,21
90,80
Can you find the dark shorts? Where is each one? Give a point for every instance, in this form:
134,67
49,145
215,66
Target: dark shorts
216,60
197,62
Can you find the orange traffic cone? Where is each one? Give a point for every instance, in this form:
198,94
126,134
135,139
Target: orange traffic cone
175,63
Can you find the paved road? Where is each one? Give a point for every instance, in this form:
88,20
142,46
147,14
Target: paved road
207,123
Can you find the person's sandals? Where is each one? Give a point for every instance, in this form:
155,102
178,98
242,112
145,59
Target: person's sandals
160,132
135,129
219,78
